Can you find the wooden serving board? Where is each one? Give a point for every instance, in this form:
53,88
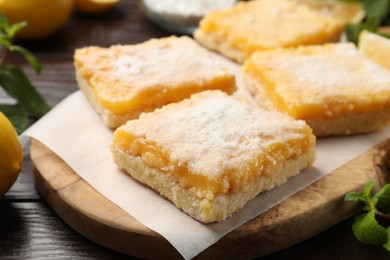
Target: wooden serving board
299,217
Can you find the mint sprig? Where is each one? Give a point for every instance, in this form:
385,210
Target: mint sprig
366,226
29,104
377,14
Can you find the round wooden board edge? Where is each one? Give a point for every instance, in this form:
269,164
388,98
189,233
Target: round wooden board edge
253,239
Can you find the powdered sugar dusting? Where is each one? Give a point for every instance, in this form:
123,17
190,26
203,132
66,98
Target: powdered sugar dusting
213,132
130,65
166,62
341,70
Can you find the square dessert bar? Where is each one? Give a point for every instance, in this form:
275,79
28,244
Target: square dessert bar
212,153
333,87
123,81
247,27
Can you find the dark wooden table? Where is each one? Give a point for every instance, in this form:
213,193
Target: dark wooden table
29,229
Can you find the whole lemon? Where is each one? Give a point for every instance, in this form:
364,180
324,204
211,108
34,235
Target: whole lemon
11,155
43,17
94,6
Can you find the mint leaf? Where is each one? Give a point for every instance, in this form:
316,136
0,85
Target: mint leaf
17,115
366,227
355,196
376,13
30,104
28,56
4,24
352,31
367,230
5,42
17,85
387,245
14,28
9,30
368,187
364,196
382,199
376,10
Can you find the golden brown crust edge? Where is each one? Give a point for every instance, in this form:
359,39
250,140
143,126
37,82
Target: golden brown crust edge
224,47
353,123
202,209
110,119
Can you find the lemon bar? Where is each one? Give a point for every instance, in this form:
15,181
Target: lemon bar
238,31
212,153
123,81
333,87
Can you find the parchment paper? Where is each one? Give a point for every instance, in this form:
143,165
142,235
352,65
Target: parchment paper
74,131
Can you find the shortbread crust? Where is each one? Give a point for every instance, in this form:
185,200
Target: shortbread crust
238,31
212,153
333,87
123,81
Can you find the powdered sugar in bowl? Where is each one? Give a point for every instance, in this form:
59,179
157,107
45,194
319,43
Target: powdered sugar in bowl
181,16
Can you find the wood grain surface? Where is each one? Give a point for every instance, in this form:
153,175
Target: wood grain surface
30,229
301,216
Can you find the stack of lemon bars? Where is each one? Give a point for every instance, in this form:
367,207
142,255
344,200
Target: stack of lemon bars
181,129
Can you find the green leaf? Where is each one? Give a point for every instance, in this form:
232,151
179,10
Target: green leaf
382,199
3,22
18,86
29,57
376,14
368,187
20,122
372,23
17,115
14,28
367,230
377,9
5,42
8,33
352,32
364,196
355,196
9,109
30,104
387,245
386,21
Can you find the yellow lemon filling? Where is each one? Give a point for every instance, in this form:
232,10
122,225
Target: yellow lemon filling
266,24
121,99
325,81
266,162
